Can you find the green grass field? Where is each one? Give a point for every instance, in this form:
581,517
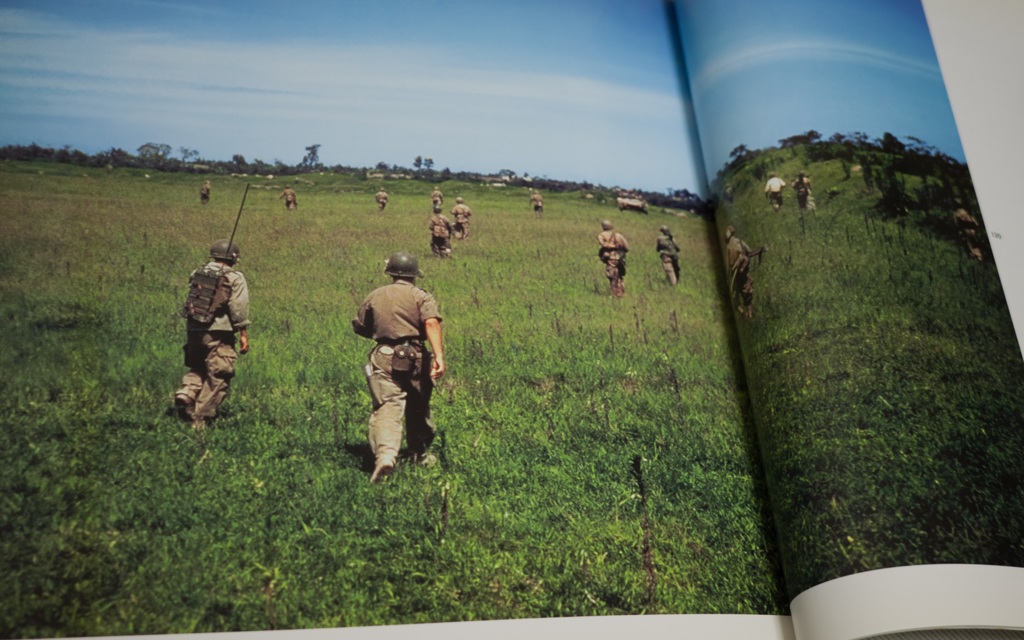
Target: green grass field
597,455
885,376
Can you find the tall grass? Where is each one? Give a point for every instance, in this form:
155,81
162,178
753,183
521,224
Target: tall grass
596,455
886,379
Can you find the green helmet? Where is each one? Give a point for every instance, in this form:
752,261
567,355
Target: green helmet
402,265
664,229
606,225
221,251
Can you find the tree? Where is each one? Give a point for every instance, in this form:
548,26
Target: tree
418,162
188,155
152,151
428,163
891,144
739,151
240,165
312,158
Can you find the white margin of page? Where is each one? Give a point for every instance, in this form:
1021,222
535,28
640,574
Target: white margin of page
981,52
705,627
911,598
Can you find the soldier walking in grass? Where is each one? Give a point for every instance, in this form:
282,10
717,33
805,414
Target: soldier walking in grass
804,197
669,251
436,200
440,235
537,201
773,190
741,285
382,199
204,193
291,202
967,227
399,317
613,254
217,307
461,213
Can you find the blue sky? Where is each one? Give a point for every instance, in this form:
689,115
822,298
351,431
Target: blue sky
574,89
761,72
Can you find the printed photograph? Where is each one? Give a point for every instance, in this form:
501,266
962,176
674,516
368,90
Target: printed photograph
885,375
354,314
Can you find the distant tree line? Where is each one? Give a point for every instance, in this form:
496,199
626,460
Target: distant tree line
160,157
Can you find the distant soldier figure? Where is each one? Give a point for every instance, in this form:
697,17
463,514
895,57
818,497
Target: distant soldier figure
669,252
804,197
382,199
461,213
440,235
537,201
217,307
204,193
436,200
729,194
773,190
613,254
291,202
741,285
967,227
400,371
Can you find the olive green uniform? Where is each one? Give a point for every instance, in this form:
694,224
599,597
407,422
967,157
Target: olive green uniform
395,315
669,251
613,254
740,283
804,197
210,352
967,226
461,213
537,201
291,201
440,235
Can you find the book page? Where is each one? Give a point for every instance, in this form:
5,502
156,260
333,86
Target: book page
975,44
589,453
885,369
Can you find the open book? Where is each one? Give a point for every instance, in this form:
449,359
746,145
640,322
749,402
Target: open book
817,433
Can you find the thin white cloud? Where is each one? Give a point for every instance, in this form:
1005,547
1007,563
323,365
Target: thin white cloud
801,51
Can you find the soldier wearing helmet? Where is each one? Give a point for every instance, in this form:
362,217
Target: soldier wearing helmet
400,317
461,213
613,254
291,201
537,201
737,258
436,200
382,199
669,251
204,193
440,235
217,308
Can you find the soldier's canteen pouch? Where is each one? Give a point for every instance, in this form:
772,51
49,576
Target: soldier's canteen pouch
404,359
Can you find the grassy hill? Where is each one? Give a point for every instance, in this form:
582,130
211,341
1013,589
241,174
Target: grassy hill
596,455
884,370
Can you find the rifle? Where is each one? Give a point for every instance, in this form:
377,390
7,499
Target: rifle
239,216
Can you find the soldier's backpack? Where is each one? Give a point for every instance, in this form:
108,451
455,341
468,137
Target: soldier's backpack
208,293
439,227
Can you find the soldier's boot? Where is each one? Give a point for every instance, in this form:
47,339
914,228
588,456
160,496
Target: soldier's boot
424,459
383,469
184,404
